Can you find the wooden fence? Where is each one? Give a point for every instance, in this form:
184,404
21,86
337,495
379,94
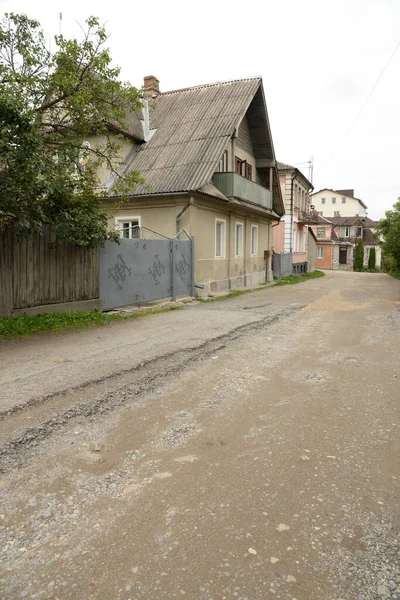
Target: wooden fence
46,274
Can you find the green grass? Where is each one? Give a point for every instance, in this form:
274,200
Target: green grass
291,279
394,274
12,327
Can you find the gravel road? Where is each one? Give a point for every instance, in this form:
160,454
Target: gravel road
240,450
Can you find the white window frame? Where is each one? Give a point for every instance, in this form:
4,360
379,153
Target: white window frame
333,200
323,200
254,228
319,234
320,250
223,237
343,200
120,220
239,247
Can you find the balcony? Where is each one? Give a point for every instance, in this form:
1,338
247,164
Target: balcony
308,218
233,185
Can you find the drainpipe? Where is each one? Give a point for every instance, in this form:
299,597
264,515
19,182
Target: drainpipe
291,215
233,165
178,218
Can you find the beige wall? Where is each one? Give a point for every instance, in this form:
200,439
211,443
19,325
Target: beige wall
231,271
156,214
124,147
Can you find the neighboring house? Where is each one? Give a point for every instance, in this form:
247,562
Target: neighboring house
327,250
337,238
338,203
291,235
207,156
351,229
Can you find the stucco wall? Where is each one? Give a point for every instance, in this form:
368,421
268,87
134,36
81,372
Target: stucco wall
326,262
231,272
160,216
124,147
278,232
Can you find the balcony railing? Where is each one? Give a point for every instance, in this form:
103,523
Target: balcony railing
308,218
233,185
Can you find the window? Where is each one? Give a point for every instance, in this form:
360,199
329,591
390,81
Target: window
128,227
239,165
367,251
336,213
353,231
249,171
254,240
333,200
320,252
321,214
219,238
239,239
343,200
323,200
223,163
321,232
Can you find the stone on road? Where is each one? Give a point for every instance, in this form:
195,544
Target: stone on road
245,449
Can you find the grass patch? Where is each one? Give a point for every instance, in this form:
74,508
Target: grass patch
394,274
12,327
292,279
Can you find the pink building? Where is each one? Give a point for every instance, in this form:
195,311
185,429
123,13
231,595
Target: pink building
291,234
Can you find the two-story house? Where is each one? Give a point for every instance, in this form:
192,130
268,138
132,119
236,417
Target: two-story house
337,238
291,235
207,158
338,203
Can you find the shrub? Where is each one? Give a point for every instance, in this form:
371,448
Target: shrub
359,257
372,259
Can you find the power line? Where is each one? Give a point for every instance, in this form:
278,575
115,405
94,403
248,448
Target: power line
366,101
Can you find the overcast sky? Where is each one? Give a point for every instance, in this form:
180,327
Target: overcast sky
319,59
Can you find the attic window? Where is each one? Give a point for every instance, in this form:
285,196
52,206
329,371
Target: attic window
239,165
249,171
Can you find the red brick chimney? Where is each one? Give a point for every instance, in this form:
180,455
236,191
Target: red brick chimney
151,86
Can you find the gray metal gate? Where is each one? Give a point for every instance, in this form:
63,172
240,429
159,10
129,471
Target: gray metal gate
141,270
282,265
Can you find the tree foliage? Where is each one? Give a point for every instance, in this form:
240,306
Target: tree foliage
50,103
359,257
389,230
372,259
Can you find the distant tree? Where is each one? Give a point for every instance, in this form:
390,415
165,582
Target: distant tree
359,257
389,230
50,102
372,259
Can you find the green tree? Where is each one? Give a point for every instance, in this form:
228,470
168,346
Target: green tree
359,257
372,259
50,103
389,230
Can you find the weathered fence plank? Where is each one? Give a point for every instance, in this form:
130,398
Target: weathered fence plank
45,271
6,273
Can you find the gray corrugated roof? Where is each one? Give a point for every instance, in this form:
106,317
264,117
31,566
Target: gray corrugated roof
192,128
364,221
284,167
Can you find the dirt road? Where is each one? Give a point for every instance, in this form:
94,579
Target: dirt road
239,450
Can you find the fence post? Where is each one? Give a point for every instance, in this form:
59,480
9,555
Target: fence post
173,286
192,256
